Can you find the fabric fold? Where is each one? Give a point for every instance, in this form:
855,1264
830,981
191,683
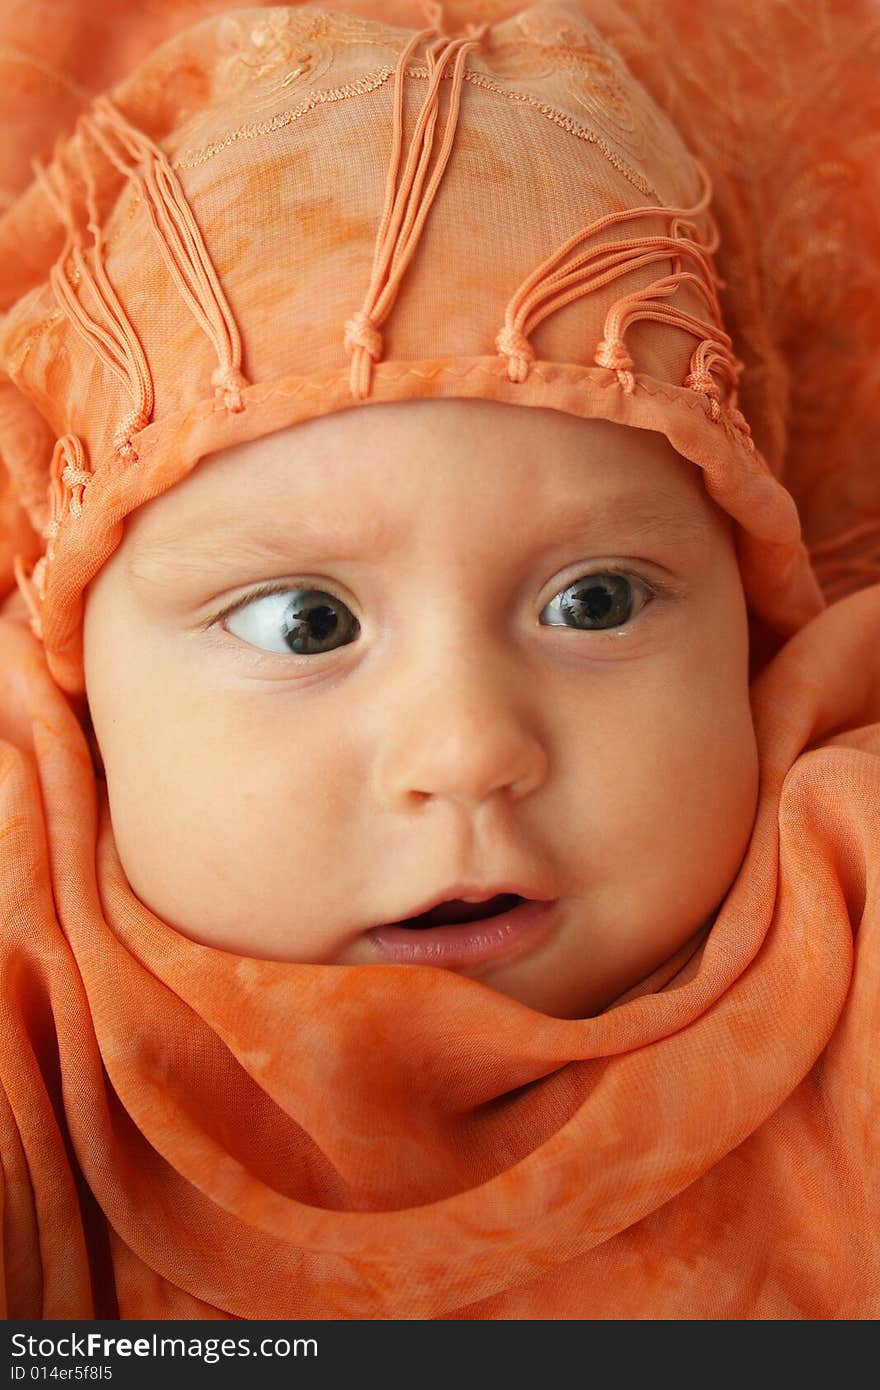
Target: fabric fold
388,1142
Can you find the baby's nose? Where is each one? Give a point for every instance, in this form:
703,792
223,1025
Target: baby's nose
464,739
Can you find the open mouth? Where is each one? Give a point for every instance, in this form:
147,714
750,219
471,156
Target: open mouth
458,933
457,910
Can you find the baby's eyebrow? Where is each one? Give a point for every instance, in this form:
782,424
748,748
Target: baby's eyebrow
207,546
204,547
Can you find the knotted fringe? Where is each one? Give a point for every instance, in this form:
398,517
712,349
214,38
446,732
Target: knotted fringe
178,238
103,322
69,476
554,284
406,209
108,331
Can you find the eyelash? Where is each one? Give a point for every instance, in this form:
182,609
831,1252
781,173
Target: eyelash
655,588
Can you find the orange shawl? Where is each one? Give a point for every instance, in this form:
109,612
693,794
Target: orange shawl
186,1133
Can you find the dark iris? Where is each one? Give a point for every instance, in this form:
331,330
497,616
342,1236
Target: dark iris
603,599
317,622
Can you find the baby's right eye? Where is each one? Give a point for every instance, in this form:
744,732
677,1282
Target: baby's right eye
299,621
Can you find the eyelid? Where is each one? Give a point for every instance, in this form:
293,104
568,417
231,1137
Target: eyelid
666,588
277,586
661,588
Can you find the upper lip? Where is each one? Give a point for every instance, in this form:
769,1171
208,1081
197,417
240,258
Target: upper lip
475,893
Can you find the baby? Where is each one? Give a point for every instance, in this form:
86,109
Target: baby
444,655
423,898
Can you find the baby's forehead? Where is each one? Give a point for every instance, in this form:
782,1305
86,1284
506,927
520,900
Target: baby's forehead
438,446
370,480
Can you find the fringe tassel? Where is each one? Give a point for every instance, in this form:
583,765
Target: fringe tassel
558,281
178,238
406,208
69,476
109,333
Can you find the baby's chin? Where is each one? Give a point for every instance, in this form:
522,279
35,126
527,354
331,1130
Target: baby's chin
572,983
545,955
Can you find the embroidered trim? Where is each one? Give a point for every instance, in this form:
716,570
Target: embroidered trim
368,83
567,123
377,78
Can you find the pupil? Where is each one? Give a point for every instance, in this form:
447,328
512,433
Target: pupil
309,624
594,603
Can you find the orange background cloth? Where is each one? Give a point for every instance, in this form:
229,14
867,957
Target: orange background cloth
705,1148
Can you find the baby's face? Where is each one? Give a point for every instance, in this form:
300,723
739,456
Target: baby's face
506,651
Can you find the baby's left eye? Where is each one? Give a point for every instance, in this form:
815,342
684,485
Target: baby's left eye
596,602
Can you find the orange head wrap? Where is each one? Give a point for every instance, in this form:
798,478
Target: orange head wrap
288,212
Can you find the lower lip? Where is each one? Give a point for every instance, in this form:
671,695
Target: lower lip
467,943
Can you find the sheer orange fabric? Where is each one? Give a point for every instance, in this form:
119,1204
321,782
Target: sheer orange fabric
255,1142
707,1146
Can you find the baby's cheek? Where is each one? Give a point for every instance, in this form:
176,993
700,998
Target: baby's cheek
714,732
718,784
689,790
